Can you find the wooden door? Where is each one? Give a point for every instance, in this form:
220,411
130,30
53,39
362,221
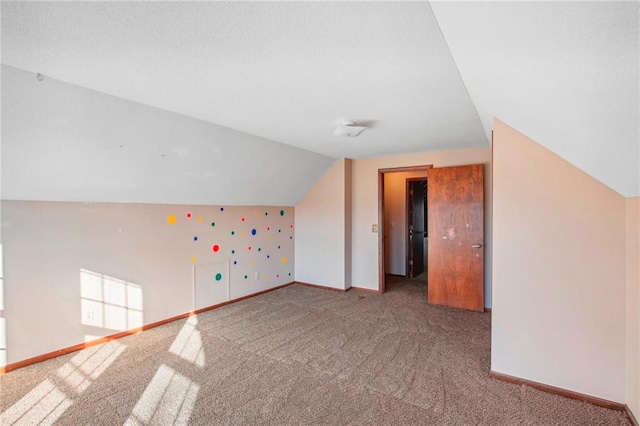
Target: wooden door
455,203
417,232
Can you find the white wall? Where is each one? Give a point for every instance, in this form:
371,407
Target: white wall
322,234
49,245
559,271
365,207
633,306
62,142
395,220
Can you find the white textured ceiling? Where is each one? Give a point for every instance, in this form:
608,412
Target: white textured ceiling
566,74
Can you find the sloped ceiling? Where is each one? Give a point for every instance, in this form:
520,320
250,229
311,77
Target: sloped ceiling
565,74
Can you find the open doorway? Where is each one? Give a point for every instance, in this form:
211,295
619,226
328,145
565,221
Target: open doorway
416,228
396,229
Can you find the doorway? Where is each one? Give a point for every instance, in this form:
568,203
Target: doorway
393,212
416,228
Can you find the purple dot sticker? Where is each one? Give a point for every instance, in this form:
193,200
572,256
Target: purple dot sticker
221,209
278,247
195,238
253,231
235,262
268,256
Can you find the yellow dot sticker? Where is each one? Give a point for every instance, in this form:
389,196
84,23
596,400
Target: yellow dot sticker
199,219
171,219
194,259
242,234
253,262
284,259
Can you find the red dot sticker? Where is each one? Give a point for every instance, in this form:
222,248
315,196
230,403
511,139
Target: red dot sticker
278,276
216,248
291,226
189,215
268,228
243,219
249,247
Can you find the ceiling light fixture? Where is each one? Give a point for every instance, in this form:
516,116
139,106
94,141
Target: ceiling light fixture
349,129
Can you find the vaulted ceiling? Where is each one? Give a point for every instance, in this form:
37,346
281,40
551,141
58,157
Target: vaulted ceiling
422,76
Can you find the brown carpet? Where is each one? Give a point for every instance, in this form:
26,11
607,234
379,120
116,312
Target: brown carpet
295,356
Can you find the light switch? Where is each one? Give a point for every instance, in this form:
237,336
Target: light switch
374,227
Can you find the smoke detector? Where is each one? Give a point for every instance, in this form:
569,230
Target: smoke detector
349,129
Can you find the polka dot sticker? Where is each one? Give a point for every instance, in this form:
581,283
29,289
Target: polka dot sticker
233,232
233,252
189,215
278,247
268,257
213,224
215,248
284,259
268,228
194,259
253,231
266,277
253,262
245,277
199,219
281,212
242,234
289,273
266,213
195,238
218,276
259,249
221,209
279,231
291,226
278,276
243,219
256,213
171,219
235,262
249,248
270,238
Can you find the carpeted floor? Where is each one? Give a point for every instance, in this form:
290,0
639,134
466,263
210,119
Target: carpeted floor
295,356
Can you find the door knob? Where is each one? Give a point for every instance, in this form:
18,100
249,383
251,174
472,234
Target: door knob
477,245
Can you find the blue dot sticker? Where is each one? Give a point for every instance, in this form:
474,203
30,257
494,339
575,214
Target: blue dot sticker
195,238
253,231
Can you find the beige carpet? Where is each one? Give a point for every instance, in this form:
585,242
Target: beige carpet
296,356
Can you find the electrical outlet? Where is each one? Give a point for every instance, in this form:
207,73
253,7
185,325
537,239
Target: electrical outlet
374,228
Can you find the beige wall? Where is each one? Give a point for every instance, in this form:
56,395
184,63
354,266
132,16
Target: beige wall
633,306
365,206
55,253
558,271
321,230
395,220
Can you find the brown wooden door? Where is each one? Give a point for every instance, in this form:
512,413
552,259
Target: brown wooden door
455,203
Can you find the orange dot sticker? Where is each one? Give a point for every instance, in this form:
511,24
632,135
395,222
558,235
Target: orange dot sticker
171,219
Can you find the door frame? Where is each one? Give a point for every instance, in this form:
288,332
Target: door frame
407,224
381,230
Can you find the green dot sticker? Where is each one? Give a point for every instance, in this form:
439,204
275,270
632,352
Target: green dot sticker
233,232
245,277
213,224
218,277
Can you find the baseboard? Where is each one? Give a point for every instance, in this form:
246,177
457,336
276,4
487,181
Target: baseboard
632,418
36,359
368,290
487,310
322,287
559,391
